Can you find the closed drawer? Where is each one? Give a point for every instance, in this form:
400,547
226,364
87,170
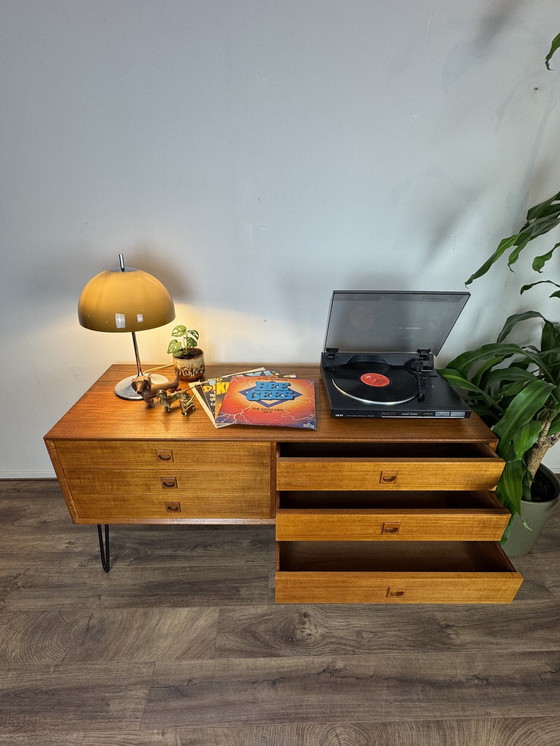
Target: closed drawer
367,466
170,509
390,516
113,495
411,572
121,454
231,482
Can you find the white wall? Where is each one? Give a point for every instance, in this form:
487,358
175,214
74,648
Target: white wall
255,155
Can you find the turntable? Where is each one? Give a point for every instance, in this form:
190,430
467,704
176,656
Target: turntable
379,354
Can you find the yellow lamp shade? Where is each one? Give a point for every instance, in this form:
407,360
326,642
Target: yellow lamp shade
124,300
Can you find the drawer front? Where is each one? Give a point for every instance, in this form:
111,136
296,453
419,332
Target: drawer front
363,474
172,509
173,482
391,525
110,495
154,454
387,587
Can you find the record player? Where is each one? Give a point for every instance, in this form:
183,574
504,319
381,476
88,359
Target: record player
380,346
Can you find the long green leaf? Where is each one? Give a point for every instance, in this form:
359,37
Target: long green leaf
534,229
466,360
526,437
503,246
543,208
456,379
555,425
515,319
540,261
553,47
520,410
510,487
541,219
550,337
511,373
539,282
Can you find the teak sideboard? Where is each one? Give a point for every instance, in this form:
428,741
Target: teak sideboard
366,510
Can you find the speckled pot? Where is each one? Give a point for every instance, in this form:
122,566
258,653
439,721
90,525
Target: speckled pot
190,368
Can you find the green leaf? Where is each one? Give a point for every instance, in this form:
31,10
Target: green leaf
550,337
511,373
466,360
173,347
553,47
510,487
526,437
540,282
545,207
515,319
541,219
503,246
521,410
555,425
540,261
179,331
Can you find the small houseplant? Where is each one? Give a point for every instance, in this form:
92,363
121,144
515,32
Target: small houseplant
188,358
516,388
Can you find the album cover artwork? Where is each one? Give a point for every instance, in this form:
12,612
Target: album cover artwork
210,393
269,402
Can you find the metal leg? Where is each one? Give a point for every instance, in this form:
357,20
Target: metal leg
104,548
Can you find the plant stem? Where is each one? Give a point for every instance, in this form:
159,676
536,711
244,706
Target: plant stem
537,452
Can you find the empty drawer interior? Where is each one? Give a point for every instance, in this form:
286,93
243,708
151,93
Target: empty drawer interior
382,500
409,451
348,556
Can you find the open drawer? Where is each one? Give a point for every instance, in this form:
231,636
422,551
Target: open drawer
390,516
398,466
409,572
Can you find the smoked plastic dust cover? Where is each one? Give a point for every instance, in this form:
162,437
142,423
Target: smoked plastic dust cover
391,321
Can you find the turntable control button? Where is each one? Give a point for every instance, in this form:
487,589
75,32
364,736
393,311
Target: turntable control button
388,477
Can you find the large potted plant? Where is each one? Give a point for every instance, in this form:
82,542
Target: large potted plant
516,387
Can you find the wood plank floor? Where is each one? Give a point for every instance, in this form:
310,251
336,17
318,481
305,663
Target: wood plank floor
181,643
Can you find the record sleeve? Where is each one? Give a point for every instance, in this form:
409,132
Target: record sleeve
270,402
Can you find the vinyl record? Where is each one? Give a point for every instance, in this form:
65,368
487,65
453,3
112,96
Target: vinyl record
375,383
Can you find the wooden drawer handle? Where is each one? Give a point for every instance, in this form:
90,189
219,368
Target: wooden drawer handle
391,528
388,477
173,507
169,483
395,592
165,455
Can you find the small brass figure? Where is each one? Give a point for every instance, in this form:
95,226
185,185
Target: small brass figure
186,400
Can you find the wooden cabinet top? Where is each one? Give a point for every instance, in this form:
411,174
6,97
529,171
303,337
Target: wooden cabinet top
100,415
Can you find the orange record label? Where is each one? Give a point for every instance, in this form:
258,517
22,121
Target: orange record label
375,379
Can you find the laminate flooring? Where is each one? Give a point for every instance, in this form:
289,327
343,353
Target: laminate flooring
181,643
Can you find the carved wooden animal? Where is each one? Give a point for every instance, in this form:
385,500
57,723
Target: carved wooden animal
149,391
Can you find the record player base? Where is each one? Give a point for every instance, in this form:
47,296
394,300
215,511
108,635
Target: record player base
366,510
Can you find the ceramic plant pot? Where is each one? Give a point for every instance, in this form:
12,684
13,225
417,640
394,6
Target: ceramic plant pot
190,368
522,538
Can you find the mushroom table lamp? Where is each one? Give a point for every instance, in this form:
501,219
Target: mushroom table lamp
125,299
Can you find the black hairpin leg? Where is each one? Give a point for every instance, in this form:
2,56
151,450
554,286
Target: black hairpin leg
104,548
